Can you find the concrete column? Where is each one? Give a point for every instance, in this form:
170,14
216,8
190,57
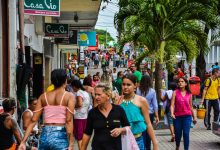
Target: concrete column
12,46
218,54
213,54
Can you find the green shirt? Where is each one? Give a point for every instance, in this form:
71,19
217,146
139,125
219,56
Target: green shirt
138,75
117,84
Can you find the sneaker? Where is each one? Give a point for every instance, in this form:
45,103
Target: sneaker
209,128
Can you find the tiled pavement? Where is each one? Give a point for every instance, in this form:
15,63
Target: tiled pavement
200,139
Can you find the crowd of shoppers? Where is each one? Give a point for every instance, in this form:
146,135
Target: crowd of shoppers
106,105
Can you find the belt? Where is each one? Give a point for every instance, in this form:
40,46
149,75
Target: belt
138,135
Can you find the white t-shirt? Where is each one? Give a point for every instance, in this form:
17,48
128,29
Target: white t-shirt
82,112
114,75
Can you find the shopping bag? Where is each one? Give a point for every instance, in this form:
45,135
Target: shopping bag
128,141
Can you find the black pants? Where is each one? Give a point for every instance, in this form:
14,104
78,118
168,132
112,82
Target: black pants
208,105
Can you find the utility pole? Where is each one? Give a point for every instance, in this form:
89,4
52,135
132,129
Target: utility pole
106,39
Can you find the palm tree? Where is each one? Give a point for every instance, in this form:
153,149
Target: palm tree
168,26
200,60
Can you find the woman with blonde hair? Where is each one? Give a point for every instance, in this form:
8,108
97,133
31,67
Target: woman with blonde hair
108,121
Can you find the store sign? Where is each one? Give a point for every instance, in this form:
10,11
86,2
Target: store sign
71,39
87,38
42,7
56,30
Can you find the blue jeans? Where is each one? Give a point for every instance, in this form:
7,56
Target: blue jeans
53,138
140,142
182,125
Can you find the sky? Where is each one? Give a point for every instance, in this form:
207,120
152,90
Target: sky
106,17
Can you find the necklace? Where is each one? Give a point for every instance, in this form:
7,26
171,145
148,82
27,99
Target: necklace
126,102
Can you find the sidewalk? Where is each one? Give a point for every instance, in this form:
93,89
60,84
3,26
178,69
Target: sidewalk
200,139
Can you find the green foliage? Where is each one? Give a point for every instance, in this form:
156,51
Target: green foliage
102,36
179,23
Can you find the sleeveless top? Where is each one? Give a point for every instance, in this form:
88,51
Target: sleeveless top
21,124
182,104
54,113
135,117
6,135
82,112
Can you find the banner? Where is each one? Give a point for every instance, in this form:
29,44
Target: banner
72,38
42,7
87,38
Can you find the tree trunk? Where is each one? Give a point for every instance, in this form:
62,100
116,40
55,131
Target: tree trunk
158,74
158,83
201,66
200,62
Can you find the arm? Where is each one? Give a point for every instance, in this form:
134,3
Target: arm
172,105
203,94
34,119
69,121
191,106
15,128
155,105
124,124
219,89
85,141
150,131
26,119
79,102
88,131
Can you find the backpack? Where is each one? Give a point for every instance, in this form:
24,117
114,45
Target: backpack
210,82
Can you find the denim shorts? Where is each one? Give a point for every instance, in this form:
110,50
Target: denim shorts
140,142
53,138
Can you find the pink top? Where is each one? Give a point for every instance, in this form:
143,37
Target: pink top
55,113
182,104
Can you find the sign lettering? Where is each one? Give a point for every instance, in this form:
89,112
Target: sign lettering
42,7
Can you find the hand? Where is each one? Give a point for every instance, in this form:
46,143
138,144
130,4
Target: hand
157,120
155,146
202,101
194,121
70,147
22,146
116,132
173,116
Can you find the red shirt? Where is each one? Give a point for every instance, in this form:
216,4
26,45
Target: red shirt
180,74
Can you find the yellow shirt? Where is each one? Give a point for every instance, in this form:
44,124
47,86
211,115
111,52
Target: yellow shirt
212,92
50,88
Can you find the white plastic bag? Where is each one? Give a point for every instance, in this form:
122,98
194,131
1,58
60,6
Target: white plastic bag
128,141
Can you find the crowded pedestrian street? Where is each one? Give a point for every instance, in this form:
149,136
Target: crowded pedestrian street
109,75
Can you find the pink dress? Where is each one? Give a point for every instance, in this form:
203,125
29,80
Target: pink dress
182,104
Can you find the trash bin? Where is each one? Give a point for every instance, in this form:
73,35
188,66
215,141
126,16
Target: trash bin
194,85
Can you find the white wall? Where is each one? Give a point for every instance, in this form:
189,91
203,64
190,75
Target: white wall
213,56
34,41
54,60
12,46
